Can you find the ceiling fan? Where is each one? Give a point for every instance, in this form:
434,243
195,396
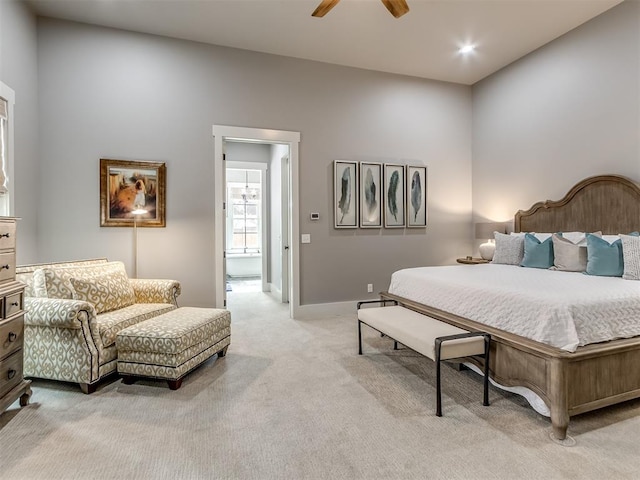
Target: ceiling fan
396,7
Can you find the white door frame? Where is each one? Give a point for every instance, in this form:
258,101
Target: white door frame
225,132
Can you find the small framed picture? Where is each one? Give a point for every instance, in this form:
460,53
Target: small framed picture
345,194
370,195
394,185
416,197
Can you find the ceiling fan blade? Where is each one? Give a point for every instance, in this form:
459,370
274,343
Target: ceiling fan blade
324,8
396,7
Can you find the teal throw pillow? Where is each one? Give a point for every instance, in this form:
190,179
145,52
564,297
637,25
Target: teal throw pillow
604,258
537,254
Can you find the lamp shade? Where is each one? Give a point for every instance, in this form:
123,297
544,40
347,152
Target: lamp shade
484,231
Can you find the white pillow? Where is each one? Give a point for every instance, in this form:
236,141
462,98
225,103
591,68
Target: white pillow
611,238
540,236
576,237
509,249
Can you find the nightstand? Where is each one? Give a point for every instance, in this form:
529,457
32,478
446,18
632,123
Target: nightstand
471,260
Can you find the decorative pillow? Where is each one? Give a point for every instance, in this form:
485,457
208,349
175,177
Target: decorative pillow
576,237
604,258
55,282
537,254
509,249
110,291
569,256
613,238
542,236
38,284
631,256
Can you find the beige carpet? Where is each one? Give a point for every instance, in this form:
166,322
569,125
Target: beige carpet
293,400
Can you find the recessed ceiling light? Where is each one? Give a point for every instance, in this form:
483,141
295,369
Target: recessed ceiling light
467,48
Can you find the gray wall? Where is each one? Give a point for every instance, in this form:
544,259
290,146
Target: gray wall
19,70
565,112
115,94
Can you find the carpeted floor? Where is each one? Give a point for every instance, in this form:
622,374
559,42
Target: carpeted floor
293,400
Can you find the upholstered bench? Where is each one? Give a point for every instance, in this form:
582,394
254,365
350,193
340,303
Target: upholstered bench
172,344
430,337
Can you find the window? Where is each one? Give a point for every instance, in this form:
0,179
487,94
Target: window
244,197
7,97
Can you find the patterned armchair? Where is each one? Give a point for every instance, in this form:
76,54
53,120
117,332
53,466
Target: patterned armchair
73,312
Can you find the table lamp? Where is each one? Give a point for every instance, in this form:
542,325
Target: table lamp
136,212
484,231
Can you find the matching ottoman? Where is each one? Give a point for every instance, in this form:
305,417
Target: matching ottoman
171,345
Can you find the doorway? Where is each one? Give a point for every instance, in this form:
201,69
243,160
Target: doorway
247,225
287,248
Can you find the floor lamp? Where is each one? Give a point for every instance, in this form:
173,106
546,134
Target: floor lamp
137,211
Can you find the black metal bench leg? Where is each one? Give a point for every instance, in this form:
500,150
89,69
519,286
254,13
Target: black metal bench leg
359,337
487,343
438,391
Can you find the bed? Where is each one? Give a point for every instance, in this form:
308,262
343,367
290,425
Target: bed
568,364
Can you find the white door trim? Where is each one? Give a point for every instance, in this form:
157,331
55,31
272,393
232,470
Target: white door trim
225,132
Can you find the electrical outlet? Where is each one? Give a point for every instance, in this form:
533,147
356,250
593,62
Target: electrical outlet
369,287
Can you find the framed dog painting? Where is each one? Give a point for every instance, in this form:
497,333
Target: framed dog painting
127,187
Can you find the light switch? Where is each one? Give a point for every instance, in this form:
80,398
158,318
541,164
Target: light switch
305,238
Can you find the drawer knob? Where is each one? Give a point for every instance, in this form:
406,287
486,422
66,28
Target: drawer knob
11,374
14,304
7,235
12,337
4,266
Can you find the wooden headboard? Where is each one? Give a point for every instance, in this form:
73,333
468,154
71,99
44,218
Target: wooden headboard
607,203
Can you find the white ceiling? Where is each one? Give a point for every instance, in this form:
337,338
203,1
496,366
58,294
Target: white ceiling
358,33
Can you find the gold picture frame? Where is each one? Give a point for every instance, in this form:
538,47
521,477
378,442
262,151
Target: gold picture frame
125,185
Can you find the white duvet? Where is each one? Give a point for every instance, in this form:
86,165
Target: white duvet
562,309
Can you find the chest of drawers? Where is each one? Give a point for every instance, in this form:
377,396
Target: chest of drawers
13,386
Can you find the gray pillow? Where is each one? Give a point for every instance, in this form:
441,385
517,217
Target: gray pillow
569,256
509,249
631,257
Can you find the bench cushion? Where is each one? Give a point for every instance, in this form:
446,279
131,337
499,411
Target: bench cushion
419,332
110,323
173,332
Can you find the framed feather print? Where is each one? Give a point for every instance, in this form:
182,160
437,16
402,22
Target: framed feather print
370,195
416,196
345,194
394,195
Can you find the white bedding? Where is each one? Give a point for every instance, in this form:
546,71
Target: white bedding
562,309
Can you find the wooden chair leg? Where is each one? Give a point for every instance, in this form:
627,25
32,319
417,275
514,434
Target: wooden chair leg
88,388
175,384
